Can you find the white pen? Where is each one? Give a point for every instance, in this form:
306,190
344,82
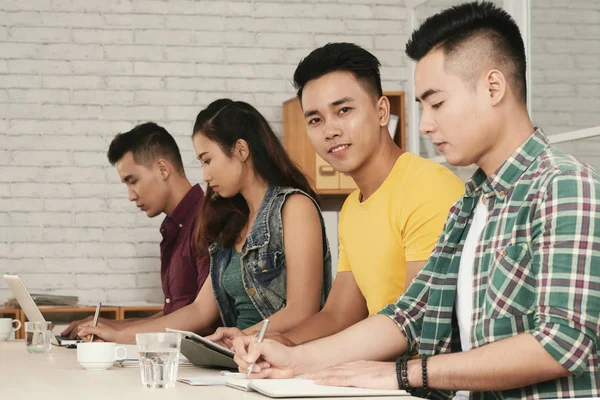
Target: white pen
96,315
261,335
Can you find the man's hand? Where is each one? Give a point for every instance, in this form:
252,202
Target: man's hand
224,336
273,360
361,374
102,331
74,327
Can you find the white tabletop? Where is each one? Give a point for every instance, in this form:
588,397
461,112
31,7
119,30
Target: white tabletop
58,376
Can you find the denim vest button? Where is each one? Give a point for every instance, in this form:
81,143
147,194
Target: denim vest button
251,292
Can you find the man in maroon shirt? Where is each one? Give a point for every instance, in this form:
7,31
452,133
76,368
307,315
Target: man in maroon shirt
149,164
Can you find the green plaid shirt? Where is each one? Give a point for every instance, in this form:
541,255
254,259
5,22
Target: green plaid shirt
536,270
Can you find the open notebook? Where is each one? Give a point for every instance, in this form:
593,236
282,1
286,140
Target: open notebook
287,388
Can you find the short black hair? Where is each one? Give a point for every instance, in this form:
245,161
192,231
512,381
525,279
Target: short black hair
345,57
146,142
452,28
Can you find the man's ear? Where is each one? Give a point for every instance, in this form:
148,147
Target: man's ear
496,86
383,109
164,168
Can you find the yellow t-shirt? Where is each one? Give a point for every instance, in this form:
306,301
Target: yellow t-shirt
397,224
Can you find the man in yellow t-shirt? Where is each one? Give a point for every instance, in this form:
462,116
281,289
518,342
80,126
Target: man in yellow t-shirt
395,228
389,226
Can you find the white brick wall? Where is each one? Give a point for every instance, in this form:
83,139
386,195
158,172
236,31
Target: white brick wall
74,73
565,62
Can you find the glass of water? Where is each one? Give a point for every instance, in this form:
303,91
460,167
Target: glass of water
38,336
159,358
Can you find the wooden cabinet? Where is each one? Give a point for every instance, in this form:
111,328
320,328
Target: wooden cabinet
326,180
139,311
325,176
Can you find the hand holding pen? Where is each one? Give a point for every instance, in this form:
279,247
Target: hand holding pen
261,336
96,315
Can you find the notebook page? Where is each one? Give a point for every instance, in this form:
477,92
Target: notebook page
307,388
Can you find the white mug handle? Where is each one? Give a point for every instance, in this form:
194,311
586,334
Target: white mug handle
18,324
117,352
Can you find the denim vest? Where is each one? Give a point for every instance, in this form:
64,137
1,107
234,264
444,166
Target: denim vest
263,260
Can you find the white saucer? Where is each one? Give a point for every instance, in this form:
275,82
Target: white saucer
96,366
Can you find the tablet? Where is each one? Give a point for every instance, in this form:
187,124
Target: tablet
203,352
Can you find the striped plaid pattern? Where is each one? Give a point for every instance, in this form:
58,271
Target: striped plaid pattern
537,269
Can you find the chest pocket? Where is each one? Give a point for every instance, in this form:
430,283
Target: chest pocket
510,291
265,266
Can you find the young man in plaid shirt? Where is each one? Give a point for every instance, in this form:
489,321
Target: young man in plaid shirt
508,305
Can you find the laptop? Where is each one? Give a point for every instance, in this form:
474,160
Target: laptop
31,310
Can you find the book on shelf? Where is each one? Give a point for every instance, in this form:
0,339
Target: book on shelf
46,300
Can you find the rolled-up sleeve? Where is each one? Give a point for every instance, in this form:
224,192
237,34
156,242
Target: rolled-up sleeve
409,310
566,246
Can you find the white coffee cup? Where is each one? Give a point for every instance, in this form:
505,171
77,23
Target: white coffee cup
7,327
99,355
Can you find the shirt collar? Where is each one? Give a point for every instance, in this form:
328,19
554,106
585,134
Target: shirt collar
511,170
187,206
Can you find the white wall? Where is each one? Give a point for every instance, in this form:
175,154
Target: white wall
73,73
565,61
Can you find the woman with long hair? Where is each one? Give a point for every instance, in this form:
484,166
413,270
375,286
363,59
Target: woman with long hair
269,256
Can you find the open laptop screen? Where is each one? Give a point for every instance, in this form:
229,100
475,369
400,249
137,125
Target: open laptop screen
31,310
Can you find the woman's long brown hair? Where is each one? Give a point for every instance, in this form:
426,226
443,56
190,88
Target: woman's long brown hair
224,122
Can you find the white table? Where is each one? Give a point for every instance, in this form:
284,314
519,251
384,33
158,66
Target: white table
58,376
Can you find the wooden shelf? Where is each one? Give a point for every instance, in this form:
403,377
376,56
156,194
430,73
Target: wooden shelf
56,313
68,314
334,192
83,309
397,107
138,311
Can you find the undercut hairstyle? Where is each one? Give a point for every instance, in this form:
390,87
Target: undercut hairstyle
344,57
146,142
474,36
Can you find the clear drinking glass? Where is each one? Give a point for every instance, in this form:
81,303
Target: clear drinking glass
159,358
38,336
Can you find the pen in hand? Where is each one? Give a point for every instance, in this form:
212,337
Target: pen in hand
261,335
96,315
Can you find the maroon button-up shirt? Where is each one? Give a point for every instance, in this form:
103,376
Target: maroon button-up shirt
183,271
